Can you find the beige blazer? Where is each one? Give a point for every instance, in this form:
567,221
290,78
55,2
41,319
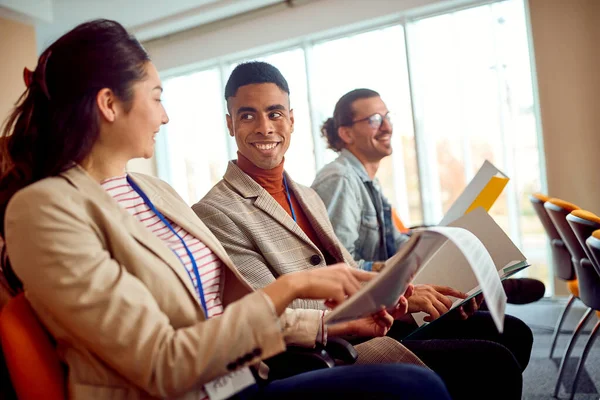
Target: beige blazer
126,318
261,238
264,242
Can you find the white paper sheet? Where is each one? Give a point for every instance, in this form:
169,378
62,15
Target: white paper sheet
449,266
400,269
483,268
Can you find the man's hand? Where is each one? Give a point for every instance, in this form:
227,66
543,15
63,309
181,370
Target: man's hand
470,307
433,300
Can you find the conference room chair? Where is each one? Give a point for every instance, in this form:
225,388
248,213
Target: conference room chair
296,360
37,373
34,367
584,224
398,224
558,210
562,265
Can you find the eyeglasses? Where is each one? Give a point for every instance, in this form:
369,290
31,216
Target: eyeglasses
375,120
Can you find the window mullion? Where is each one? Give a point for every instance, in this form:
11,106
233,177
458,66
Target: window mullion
425,149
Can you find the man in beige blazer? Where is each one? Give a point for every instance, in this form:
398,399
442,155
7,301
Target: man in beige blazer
262,238
284,249
271,226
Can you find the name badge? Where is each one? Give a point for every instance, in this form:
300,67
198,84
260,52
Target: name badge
227,385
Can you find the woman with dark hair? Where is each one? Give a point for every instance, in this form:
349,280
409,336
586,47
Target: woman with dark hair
142,300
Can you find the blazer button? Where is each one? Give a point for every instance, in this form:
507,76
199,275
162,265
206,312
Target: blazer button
231,366
247,358
315,259
257,352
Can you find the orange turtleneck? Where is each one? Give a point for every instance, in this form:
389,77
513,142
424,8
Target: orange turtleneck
272,181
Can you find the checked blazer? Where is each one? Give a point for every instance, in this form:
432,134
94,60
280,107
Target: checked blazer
264,242
261,238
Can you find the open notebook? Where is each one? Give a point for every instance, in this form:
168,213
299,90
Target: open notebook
467,256
449,268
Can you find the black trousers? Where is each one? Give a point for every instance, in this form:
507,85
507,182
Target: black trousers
468,354
381,382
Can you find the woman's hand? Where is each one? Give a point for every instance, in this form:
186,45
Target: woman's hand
376,325
433,300
332,284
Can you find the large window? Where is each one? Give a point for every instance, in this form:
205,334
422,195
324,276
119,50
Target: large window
459,87
193,155
473,101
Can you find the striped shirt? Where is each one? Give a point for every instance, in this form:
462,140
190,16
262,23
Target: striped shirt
209,265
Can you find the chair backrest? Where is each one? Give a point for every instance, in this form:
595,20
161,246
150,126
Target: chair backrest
584,223
35,369
398,224
538,200
558,210
561,258
593,244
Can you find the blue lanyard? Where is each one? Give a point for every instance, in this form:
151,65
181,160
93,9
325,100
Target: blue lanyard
187,249
287,192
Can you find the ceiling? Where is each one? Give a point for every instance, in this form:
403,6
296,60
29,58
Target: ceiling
148,19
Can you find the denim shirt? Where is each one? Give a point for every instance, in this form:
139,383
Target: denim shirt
359,212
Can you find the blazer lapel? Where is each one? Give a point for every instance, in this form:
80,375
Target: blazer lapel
248,188
80,179
320,225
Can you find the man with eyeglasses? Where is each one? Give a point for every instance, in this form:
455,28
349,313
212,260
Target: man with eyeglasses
360,130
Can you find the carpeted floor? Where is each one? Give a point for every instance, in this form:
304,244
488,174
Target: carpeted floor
540,376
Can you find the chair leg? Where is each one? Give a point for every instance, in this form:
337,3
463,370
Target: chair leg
586,350
569,348
560,322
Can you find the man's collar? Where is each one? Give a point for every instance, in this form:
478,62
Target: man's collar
242,182
356,164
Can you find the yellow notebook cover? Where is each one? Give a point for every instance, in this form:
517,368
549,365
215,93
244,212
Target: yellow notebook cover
482,191
488,196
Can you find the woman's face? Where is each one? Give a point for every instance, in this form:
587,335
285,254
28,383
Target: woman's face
134,131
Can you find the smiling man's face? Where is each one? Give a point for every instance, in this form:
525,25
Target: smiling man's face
367,142
262,123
